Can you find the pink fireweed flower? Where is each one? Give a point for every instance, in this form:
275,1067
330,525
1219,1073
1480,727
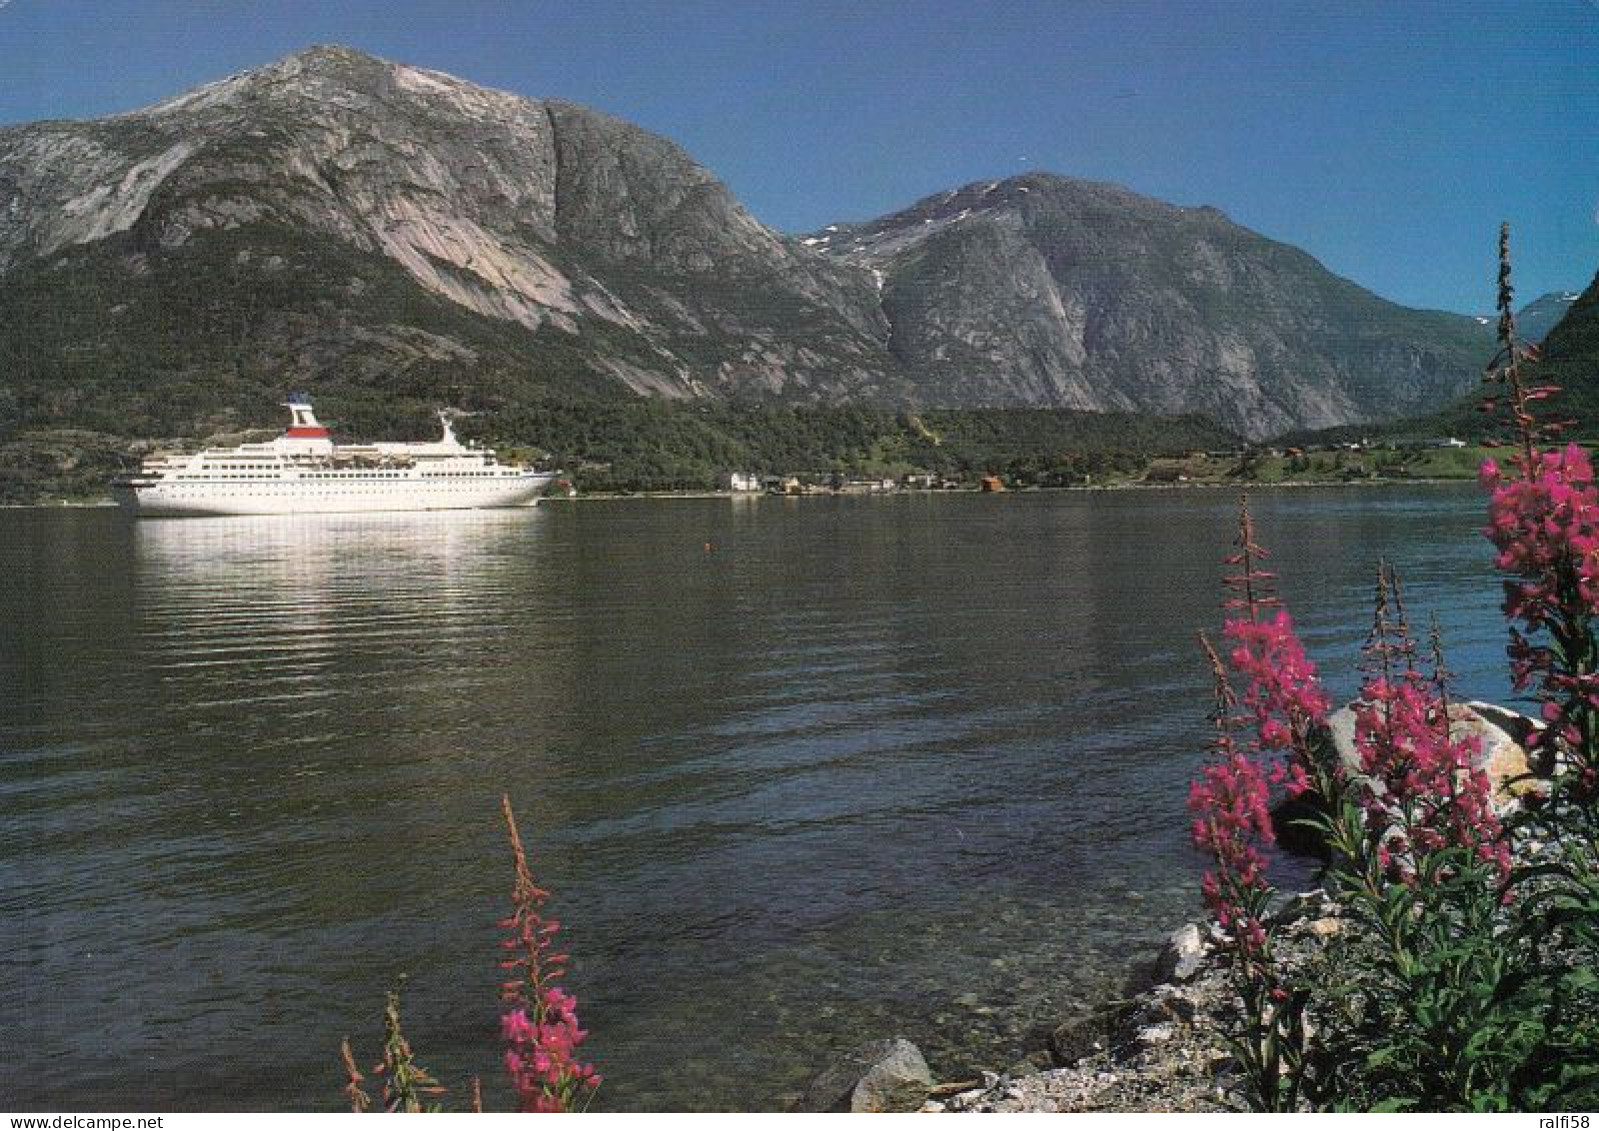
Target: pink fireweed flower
1420,788
539,1027
1263,740
1230,799
540,1055
1231,823
1544,525
1283,695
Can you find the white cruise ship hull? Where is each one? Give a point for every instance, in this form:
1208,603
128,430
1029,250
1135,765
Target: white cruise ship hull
343,495
304,472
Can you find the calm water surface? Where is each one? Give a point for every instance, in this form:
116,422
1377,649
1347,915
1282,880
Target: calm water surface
800,773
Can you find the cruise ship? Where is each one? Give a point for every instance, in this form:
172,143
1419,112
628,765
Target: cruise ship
304,471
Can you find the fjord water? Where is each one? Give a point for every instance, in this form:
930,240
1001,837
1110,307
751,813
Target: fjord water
800,773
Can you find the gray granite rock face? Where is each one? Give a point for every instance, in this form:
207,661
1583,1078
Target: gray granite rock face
421,223
1049,290
578,237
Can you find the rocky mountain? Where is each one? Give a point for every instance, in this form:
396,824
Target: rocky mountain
1046,290
389,236
341,222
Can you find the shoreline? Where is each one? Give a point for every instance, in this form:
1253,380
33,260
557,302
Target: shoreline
1085,488
1162,1044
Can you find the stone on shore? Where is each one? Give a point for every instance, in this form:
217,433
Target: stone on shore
1164,1050
1082,1036
888,1075
1183,956
1501,736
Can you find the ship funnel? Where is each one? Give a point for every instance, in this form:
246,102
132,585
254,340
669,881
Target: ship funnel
303,424
447,422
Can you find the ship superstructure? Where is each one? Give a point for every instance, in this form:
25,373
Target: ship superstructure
305,471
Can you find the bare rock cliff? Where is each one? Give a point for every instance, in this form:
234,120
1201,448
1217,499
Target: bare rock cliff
379,230
1047,290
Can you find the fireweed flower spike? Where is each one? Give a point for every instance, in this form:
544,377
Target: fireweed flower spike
407,1086
1504,371
1543,519
539,1027
1441,675
1264,738
1231,821
1456,982
1419,788
1283,697
1250,588
1282,703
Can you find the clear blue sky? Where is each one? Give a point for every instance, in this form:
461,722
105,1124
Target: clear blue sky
1386,138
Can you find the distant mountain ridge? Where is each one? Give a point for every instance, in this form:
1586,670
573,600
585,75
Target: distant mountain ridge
1569,359
1543,314
391,236
1042,289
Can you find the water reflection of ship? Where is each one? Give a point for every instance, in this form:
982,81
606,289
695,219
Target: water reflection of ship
330,707
414,649
249,612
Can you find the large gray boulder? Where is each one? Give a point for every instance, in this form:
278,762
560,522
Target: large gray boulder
888,1075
